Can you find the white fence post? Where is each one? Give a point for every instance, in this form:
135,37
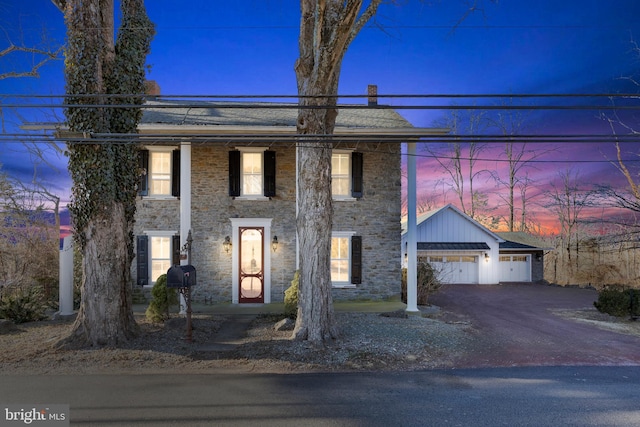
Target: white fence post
66,277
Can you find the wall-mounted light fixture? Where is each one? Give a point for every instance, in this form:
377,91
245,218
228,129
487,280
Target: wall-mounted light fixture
486,257
227,244
538,257
274,243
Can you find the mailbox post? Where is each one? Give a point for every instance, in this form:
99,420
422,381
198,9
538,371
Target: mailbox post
183,277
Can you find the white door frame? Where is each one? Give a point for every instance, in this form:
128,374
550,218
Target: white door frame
236,223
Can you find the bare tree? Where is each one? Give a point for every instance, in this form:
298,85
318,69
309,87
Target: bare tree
38,55
327,28
104,175
567,199
459,160
519,157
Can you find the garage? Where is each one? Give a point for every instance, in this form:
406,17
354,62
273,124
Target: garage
456,269
515,268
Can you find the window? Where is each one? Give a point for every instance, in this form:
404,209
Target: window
160,256
156,252
346,259
346,174
252,172
340,175
161,176
340,259
159,173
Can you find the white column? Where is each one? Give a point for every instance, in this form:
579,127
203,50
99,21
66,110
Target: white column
66,277
185,203
185,192
412,256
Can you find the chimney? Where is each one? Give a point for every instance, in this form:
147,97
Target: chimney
151,89
372,92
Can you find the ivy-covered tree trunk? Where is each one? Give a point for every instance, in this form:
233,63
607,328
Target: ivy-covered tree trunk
105,173
327,27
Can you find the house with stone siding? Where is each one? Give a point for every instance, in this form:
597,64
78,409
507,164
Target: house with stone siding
220,179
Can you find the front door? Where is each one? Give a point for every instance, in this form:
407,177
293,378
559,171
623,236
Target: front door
251,265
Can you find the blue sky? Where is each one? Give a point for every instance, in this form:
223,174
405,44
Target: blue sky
250,46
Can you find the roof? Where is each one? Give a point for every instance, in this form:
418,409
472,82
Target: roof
427,215
519,240
262,114
452,246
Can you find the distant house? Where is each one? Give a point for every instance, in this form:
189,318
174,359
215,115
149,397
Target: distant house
225,173
464,251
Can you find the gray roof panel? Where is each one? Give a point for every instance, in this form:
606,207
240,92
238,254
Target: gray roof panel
261,114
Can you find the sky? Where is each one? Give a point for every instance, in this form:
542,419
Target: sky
249,47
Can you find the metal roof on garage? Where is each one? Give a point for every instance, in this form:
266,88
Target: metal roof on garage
453,246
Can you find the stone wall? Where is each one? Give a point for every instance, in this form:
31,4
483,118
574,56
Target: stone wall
375,217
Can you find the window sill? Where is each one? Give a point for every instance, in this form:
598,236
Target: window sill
343,286
344,199
158,197
252,198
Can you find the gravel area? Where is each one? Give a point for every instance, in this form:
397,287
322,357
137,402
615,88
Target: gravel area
367,342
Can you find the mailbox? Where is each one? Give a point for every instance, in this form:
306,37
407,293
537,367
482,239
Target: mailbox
181,276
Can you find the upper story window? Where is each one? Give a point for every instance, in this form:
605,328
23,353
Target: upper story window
346,174
160,172
252,173
251,176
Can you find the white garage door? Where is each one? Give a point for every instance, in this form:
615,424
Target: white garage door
515,268
456,268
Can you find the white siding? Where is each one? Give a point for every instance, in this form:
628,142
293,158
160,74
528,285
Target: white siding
450,225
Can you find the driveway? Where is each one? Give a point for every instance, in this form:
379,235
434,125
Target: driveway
521,325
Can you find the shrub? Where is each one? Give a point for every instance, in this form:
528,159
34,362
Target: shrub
618,301
23,305
161,299
291,297
427,283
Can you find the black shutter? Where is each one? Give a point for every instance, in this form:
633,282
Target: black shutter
143,164
269,173
175,248
356,260
356,175
142,260
234,173
175,173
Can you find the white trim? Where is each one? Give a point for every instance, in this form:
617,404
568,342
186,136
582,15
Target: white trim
251,149
236,223
347,283
348,196
151,234
160,233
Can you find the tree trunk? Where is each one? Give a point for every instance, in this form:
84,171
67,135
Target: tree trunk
104,175
105,317
327,27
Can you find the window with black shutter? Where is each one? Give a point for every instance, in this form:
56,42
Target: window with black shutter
143,164
269,173
356,174
142,260
356,260
175,173
234,173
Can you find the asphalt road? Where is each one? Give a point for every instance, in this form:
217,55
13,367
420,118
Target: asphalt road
517,325
546,396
